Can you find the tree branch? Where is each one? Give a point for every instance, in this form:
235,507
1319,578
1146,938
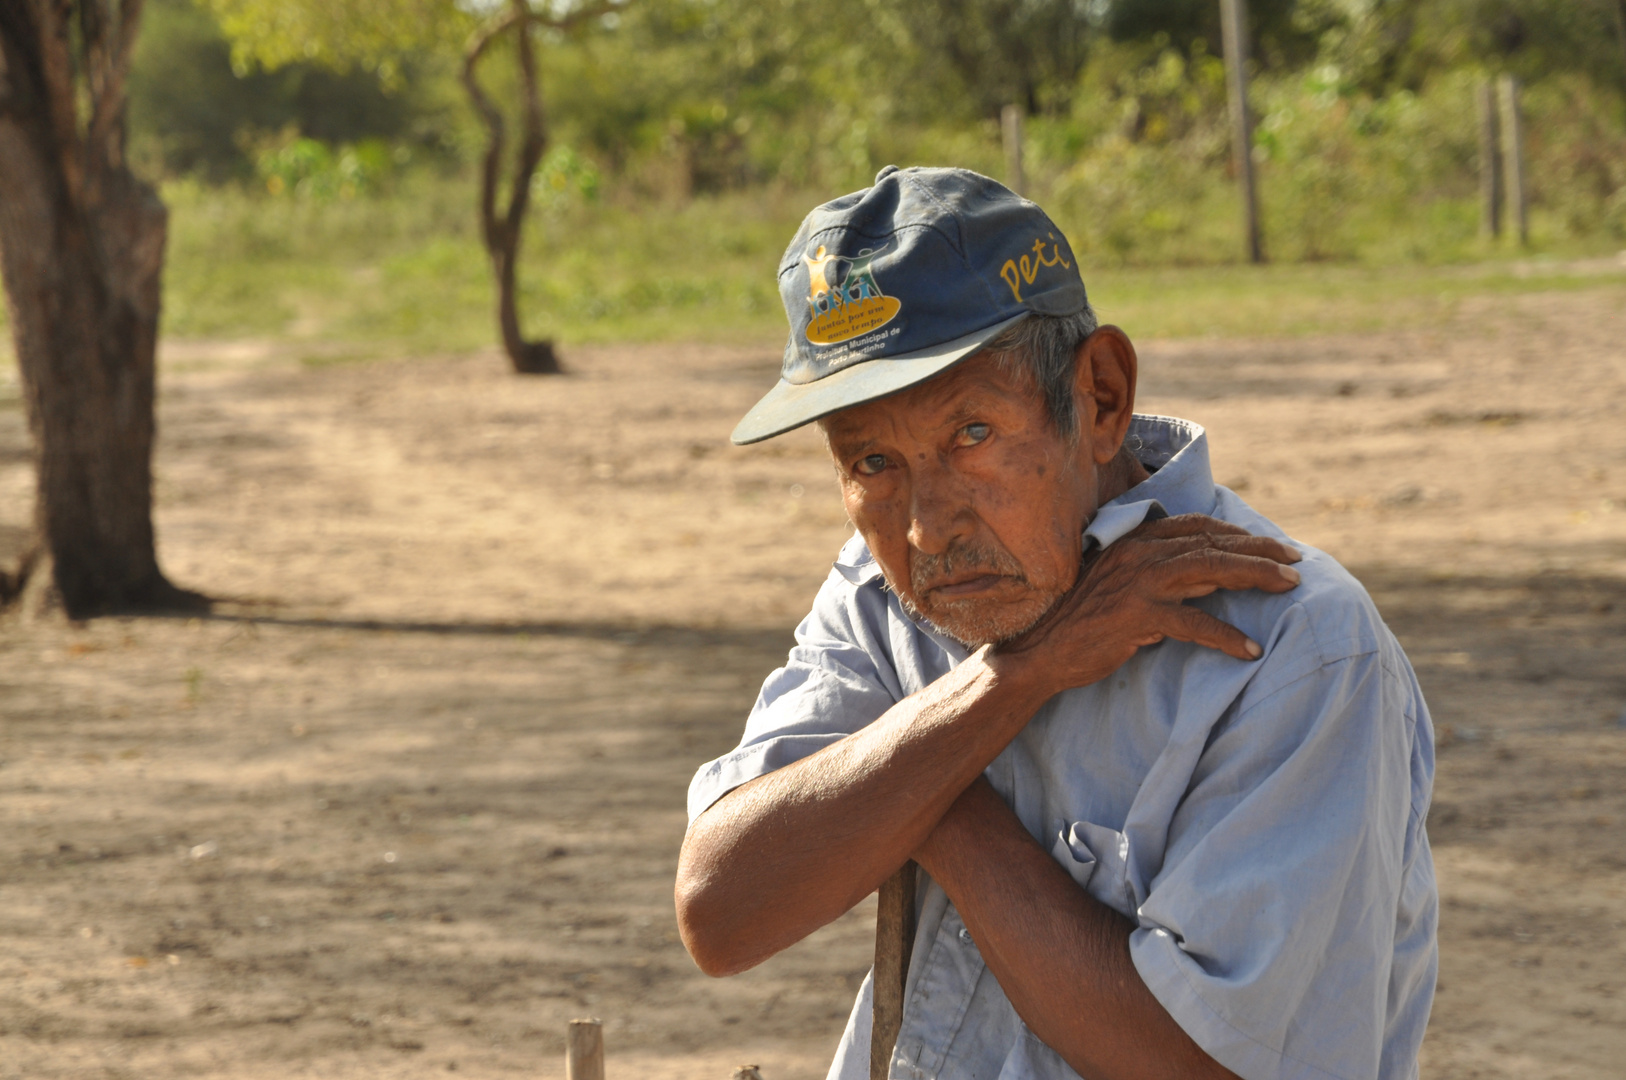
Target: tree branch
497,136
108,111
577,17
531,150
93,19
50,26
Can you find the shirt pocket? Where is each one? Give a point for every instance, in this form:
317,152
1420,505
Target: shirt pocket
1098,859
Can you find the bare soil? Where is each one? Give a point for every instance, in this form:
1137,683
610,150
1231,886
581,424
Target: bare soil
412,798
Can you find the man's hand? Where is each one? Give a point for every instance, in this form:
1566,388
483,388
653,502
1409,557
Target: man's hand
1133,594
788,852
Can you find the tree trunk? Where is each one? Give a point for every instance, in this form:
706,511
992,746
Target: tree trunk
81,253
502,230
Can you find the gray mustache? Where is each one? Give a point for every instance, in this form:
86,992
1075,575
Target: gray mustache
959,559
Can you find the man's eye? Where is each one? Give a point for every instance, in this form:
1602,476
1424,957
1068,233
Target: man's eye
972,434
870,465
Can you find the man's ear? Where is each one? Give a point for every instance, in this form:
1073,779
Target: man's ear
1106,368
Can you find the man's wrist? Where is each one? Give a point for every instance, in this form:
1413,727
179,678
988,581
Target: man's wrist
1022,675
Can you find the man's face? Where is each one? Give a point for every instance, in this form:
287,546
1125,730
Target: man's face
968,498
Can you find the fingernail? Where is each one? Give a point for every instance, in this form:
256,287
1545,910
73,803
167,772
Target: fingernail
1298,555
1289,573
1253,649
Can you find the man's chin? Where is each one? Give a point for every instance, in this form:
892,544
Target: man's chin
975,624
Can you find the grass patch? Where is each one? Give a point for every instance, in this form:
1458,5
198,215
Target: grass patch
346,281
407,268
1300,300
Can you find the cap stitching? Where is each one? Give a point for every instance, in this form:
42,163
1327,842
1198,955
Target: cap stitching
959,226
794,264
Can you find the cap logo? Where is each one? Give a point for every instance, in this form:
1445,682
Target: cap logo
845,297
1017,272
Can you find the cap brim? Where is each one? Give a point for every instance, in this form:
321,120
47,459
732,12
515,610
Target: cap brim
789,405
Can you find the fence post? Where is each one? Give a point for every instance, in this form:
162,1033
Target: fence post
584,1050
1490,163
1518,202
1010,127
1234,20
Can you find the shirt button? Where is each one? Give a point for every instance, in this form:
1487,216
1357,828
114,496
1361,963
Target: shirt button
965,935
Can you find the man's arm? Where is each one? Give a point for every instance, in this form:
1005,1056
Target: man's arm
785,854
1060,955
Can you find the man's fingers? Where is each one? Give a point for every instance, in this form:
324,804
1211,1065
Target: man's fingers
1186,623
1263,547
1195,531
1198,573
1187,525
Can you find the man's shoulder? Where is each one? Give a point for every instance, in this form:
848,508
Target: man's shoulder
1328,618
854,590
854,607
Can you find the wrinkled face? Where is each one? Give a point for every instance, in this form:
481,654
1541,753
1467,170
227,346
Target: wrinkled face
970,501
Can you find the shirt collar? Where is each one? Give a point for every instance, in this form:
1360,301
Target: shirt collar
1176,452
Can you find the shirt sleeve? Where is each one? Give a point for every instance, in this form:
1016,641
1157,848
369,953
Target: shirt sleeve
839,677
1269,931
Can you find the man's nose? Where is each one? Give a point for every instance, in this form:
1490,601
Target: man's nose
940,509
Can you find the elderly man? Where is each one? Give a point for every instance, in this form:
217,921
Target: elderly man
1164,772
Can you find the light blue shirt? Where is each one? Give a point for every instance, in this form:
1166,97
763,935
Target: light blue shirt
1260,823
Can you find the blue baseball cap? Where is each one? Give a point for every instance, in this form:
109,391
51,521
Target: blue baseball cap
889,286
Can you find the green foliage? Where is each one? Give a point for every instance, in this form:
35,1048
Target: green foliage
1139,172
1134,173
381,36
695,133
563,179
1390,44
308,168
191,113
1286,33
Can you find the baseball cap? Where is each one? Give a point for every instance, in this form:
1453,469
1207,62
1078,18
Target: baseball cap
889,286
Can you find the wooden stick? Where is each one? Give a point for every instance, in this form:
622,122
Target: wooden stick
1010,126
584,1050
894,941
1234,26
1490,163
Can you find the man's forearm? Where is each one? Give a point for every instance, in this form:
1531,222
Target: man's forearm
787,853
1060,955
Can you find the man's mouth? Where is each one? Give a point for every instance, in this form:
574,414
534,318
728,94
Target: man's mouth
963,585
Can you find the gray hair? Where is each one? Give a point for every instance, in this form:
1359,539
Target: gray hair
1041,348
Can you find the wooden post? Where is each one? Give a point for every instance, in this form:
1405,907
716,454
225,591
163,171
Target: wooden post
1234,20
1518,203
894,941
584,1051
1490,163
1010,127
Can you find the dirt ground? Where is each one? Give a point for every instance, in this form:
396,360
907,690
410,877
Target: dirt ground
413,797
